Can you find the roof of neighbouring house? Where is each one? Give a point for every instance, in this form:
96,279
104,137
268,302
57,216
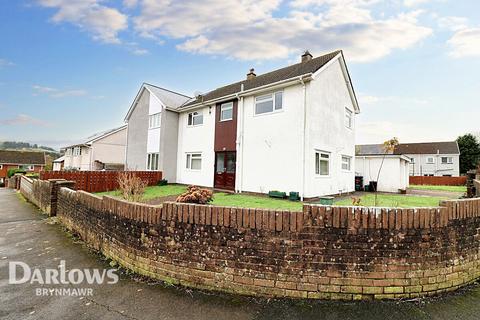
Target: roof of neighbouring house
370,149
59,160
449,147
289,72
99,135
21,157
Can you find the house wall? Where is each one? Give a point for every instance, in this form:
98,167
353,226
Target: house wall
198,139
393,176
137,134
110,149
169,145
272,147
327,98
420,166
79,162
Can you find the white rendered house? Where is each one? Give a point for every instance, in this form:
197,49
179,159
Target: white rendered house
292,129
102,151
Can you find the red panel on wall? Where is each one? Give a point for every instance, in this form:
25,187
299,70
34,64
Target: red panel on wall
226,131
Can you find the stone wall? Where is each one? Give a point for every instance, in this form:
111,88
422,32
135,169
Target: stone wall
43,193
323,252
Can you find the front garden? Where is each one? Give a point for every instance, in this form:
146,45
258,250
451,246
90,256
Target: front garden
160,194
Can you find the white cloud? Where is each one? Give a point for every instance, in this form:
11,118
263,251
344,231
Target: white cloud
365,99
413,3
57,93
23,119
103,22
453,23
130,3
252,30
465,43
5,63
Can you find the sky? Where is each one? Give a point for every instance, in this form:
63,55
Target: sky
70,68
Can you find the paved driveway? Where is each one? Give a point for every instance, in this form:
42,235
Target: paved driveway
25,235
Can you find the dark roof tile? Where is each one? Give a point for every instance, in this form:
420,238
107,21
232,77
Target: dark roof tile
289,72
21,157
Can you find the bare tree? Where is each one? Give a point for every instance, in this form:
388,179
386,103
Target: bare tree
388,148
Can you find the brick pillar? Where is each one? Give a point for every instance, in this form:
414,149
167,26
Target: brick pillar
55,185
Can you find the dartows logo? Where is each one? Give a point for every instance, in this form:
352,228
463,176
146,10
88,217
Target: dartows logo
22,273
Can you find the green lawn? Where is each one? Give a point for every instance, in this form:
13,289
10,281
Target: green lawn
153,192
250,201
402,201
439,188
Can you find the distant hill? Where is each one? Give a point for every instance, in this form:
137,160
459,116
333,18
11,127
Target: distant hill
25,146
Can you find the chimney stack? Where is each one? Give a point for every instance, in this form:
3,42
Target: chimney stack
306,56
251,74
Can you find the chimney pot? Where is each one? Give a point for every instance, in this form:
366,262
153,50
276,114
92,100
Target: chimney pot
306,56
251,74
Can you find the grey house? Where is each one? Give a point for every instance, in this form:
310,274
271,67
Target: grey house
152,132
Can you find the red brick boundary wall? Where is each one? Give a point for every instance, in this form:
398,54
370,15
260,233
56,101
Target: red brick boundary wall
439,181
99,181
322,253
42,193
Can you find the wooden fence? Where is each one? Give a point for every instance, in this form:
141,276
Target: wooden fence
439,181
99,181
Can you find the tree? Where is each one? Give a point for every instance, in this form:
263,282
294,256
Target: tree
469,152
388,148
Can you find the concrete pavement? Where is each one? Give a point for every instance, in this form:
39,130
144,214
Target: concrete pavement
26,235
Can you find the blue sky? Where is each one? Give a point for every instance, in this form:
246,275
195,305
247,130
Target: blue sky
70,68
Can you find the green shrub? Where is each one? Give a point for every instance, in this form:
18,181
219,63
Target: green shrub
12,172
196,194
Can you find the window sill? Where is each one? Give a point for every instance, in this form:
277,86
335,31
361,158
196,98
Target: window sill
194,126
267,113
318,176
226,120
154,128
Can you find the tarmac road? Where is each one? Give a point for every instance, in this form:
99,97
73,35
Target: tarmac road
26,235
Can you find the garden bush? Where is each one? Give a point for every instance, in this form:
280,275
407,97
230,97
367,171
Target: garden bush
131,187
195,194
12,172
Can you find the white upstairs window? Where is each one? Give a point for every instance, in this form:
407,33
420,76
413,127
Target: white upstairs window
154,120
348,118
269,103
447,160
194,161
226,111
152,161
195,118
346,163
430,160
322,163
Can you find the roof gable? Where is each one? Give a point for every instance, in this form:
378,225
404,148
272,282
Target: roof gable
21,157
169,99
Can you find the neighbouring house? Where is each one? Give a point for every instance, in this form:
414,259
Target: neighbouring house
102,151
292,129
394,175
29,161
58,164
432,158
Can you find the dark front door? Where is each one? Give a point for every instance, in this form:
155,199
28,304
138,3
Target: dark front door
225,170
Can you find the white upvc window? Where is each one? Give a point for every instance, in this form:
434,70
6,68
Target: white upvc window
152,161
77,151
348,118
154,120
447,160
195,118
28,167
346,163
430,160
269,103
226,111
194,161
322,163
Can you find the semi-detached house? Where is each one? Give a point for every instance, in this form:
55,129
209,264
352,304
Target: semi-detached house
292,129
